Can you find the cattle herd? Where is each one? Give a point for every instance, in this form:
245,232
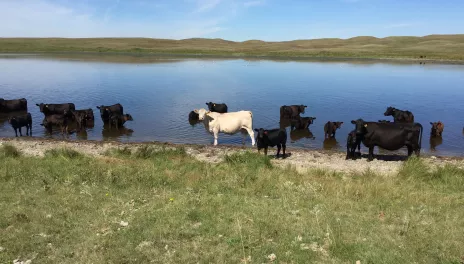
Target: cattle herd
402,131
61,116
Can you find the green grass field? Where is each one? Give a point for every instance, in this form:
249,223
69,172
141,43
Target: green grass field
433,47
147,206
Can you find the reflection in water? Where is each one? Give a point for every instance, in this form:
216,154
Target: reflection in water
297,134
330,143
114,133
284,123
82,135
434,142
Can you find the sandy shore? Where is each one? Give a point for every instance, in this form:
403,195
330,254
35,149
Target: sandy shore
301,160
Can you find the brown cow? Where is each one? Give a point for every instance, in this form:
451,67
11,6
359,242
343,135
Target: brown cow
437,129
330,128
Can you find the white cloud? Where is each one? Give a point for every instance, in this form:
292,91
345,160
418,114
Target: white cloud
206,5
43,18
254,3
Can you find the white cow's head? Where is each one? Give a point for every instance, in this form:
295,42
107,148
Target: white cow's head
201,113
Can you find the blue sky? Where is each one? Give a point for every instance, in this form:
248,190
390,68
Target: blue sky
238,20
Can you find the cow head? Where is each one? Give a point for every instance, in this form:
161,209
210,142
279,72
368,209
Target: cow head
390,111
128,117
261,134
43,107
201,113
360,126
210,105
11,119
337,125
302,108
437,129
384,121
104,112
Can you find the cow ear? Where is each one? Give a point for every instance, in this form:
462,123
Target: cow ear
257,130
98,107
353,122
431,123
195,111
37,104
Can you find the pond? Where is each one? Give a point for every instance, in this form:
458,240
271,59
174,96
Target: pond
159,93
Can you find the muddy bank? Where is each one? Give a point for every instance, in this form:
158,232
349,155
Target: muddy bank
302,160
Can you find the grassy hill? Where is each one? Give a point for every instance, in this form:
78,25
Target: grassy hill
433,47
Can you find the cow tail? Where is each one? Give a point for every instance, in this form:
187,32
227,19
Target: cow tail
420,138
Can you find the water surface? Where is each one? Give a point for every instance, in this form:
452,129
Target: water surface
159,94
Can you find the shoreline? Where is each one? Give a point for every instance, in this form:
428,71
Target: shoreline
227,56
302,160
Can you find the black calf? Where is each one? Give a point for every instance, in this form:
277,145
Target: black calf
270,138
17,122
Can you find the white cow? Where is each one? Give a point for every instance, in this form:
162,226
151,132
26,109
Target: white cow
227,123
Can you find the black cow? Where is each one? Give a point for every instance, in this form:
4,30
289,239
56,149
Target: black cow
270,138
55,109
292,111
119,120
219,108
301,122
17,122
399,116
60,120
389,136
14,105
330,128
82,116
353,140
107,110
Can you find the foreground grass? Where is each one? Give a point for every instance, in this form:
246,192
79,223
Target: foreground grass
433,47
165,207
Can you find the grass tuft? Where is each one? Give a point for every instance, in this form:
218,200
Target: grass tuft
63,152
161,205
7,150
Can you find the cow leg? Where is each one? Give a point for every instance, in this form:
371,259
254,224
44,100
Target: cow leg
265,151
409,151
20,133
16,131
284,146
215,133
252,136
278,150
30,130
348,152
371,154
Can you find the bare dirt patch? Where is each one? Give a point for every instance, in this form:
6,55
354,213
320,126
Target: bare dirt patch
301,160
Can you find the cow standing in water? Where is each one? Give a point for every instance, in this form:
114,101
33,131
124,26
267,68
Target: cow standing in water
227,123
218,108
292,111
270,138
437,129
58,109
17,122
389,136
107,110
15,105
330,128
399,116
